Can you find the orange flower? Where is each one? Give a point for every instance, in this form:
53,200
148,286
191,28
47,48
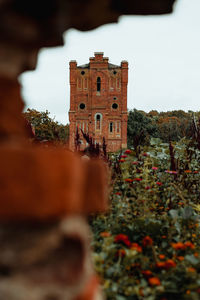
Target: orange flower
147,241
122,238
164,236
196,254
180,258
128,180
159,183
188,171
154,281
137,179
161,256
192,270
105,234
170,264
147,273
189,245
178,246
121,160
135,246
160,264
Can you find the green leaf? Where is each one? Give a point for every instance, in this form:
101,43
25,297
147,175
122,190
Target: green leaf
192,259
187,212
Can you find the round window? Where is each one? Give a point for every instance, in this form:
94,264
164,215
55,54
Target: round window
114,72
82,106
114,98
82,72
115,106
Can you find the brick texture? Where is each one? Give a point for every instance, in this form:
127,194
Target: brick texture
44,193
98,102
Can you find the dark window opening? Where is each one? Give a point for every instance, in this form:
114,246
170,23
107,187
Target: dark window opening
98,84
115,106
98,122
82,106
114,72
111,127
114,98
82,72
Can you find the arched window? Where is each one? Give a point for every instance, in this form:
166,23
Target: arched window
85,83
98,84
98,122
117,127
112,80
79,83
118,83
111,126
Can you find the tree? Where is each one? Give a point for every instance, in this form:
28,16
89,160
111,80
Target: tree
46,128
140,128
174,125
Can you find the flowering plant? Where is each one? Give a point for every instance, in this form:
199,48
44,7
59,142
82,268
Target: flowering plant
147,246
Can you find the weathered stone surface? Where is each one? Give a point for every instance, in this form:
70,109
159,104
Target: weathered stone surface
12,124
43,261
26,26
43,183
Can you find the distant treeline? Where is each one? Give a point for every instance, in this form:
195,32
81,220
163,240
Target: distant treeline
44,128
167,126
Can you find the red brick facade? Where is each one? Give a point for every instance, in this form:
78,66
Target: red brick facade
98,102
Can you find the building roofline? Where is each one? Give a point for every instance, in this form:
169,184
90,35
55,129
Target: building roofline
98,53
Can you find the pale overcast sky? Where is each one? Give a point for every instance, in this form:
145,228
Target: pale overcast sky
163,54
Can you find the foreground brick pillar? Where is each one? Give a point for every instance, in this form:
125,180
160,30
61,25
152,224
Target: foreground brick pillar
47,260
44,195
12,124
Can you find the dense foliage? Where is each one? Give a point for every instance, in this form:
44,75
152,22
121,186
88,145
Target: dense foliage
46,128
140,128
171,125
147,246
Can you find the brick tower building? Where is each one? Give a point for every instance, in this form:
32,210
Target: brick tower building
98,102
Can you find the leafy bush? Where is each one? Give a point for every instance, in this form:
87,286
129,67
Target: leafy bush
46,128
147,246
